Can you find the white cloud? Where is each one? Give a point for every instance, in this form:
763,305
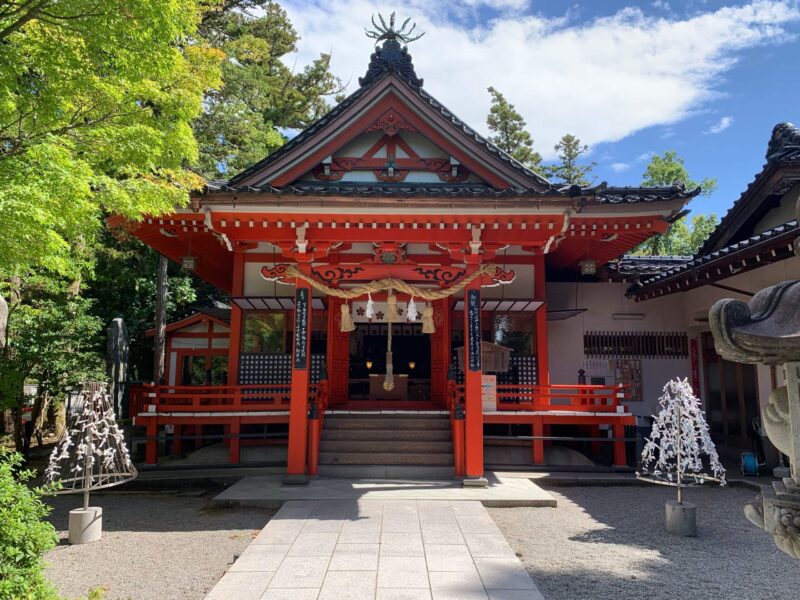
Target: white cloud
601,80
662,5
721,126
619,167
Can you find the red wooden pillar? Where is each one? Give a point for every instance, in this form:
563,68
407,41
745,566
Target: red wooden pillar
440,351
298,407
234,341
618,431
338,349
537,430
177,433
235,446
151,446
473,373
540,293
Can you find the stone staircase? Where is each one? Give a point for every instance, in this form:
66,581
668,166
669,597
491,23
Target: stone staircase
386,446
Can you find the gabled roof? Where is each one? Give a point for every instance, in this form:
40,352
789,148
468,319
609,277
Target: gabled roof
393,62
756,251
783,153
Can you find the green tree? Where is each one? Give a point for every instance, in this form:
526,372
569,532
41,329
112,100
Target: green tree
680,239
509,133
96,101
259,93
52,340
25,536
569,171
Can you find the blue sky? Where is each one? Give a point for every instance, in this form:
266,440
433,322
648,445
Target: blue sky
706,78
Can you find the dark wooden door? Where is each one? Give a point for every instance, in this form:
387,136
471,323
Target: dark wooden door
731,401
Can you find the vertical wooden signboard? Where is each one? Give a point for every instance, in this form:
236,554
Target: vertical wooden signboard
301,328
474,330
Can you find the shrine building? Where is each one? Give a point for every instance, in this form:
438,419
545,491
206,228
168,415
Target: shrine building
402,291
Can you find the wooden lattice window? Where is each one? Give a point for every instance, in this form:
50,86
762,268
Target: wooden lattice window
648,344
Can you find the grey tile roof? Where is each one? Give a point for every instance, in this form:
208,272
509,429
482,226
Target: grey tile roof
601,194
783,149
789,230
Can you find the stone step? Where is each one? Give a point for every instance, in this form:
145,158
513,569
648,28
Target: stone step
351,422
433,435
414,446
405,472
386,458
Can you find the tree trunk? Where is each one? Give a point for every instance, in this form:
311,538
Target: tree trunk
161,321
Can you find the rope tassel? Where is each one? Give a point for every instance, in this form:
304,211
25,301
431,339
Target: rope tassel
391,307
347,324
427,319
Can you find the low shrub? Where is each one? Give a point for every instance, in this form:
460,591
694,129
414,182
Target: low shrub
25,536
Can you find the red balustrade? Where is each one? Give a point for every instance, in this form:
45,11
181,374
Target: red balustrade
215,398
587,398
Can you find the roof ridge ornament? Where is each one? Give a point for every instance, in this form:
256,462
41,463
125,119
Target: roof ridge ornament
383,32
391,57
784,135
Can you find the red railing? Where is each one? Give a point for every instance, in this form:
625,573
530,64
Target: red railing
213,398
589,398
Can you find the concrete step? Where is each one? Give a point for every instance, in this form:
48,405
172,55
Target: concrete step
414,446
406,472
385,458
386,422
432,435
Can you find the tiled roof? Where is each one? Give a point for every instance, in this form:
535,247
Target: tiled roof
789,230
783,149
601,194
381,65
638,266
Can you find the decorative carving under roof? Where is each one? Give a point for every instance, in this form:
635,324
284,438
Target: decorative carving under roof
784,135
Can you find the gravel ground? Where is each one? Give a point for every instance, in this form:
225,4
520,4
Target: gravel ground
609,543
154,546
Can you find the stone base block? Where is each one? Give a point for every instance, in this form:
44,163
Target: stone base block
681,518
294,480
475,482
85,525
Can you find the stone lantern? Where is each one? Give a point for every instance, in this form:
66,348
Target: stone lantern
767,330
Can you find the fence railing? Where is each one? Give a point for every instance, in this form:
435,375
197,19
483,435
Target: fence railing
589,398
186,398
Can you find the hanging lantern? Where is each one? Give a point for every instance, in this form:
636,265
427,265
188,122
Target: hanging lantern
588,267
427,319
411,311
347,324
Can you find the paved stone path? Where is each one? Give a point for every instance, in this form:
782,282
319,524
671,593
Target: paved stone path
378,549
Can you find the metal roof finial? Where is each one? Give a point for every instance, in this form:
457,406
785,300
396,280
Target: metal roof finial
384,32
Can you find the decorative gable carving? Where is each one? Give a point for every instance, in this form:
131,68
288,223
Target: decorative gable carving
390,123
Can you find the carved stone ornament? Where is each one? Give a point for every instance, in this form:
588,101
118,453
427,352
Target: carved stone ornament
767,330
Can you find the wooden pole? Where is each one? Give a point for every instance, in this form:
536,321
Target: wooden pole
161,321
473,375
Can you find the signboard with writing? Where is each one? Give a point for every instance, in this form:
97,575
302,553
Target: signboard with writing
489,392
301,328
474,329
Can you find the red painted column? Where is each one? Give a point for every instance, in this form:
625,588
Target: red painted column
151,446
440,351
301,358
338,349
537,430
234,341
473,428
236,443
620,460
540,293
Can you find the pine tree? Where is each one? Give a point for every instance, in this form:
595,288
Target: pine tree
569,171
509,131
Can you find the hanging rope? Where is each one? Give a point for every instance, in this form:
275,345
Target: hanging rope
388,284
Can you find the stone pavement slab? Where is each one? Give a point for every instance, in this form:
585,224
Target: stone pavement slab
418,550
504,490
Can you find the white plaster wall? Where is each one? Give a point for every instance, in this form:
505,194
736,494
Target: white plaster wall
602,300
